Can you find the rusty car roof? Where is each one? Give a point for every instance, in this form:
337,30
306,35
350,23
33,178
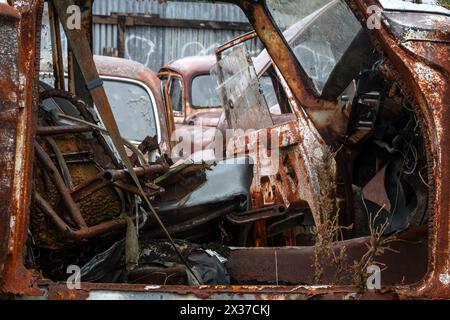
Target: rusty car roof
190,66
124,68
121,68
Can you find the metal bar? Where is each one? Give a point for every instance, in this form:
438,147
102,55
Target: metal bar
70,71
89,187
104,179
136,20
57,52
406,262
285,225
257,214
100,229
146,171
86,29
121,34
191,224
132,189
61,162
234,42
60,185
56,130
59,223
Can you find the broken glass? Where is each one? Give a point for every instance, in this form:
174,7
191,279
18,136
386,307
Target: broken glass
240,91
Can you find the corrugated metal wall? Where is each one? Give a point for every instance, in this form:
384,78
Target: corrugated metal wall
155,46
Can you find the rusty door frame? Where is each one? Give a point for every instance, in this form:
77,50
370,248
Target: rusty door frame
21,89
170,75
435,283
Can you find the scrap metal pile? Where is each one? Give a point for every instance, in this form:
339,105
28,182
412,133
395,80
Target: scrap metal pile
84,198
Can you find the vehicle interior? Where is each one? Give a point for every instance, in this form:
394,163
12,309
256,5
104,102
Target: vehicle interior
385,171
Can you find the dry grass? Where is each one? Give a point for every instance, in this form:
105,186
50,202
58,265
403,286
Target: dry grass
328,232
330,251
325,256
376,247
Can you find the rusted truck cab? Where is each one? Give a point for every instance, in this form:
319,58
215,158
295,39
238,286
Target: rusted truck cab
189,91
330,77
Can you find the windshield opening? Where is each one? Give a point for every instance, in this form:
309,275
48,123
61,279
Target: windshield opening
318,33
133,109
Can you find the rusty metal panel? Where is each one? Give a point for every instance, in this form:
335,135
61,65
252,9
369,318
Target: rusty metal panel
8,106
406,262
426,84
18,68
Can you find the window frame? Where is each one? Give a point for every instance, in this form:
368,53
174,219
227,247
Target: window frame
191,95
152,99
132,81
176,113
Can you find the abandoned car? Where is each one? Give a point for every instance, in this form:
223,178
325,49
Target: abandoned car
134,92
301,208
190,91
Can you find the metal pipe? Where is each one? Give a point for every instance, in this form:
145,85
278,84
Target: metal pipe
83,233
191,224
100,229
89,187
59,223
60,185
62,163
146,171
257,214
56,130
234,42
57,52
108,177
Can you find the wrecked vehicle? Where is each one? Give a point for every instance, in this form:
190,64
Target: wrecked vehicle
135,96
190,92
359,178
81,196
